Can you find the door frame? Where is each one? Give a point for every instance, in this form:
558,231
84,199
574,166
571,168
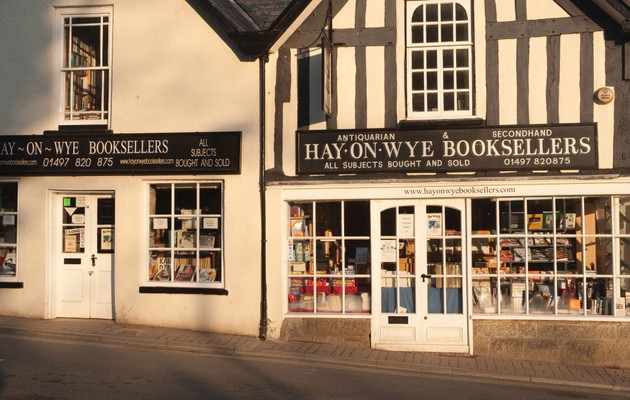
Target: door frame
53,267
412,336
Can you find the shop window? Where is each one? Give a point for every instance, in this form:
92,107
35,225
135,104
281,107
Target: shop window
329,257
551,256
85,67
439,59
185,235
8,231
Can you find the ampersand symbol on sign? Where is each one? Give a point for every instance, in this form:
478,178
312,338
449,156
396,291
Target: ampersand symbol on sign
445,135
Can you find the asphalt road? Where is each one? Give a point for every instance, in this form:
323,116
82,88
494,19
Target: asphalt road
46,370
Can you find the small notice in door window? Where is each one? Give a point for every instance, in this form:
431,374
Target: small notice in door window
405,225
389,251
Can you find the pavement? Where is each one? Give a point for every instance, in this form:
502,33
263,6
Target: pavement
107,332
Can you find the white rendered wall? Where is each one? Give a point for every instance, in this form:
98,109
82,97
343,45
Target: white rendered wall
169,72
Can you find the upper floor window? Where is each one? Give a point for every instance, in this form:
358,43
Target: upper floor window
85,67
439,59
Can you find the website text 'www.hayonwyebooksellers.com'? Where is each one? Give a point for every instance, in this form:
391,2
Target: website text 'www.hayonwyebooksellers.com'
457,191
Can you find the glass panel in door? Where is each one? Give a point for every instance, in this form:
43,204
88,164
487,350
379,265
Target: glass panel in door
398,260
443,260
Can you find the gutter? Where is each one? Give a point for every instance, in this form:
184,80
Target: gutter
262,329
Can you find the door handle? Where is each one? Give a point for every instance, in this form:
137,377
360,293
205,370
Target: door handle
425,276
93,258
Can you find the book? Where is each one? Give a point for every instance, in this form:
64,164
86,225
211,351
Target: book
519,254
185,272
206,241
534,221
506,255
569,220
297,228
185,238
207,275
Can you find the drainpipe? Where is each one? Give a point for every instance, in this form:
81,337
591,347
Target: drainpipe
262,335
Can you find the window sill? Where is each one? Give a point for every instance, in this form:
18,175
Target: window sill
11,285
183,290
441,123
80,129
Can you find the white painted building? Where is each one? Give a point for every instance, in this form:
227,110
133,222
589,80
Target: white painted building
127,129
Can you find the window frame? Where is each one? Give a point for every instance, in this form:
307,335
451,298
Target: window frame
313,281
105,68
439,47
197,217
13,216
585,275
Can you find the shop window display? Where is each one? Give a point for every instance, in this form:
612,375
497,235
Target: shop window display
8,230
329,257
186,234
550,256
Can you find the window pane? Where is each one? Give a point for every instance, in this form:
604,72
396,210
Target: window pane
599,295
328,218
388,222
513,295
417,60
185,199
432,59
463,101
484,216
462,80
446,12
484,295
447,59
210,199
432,81
432,101
417,34
449,82
432,13
624,256
432,34
8,197
541,295
512,216
357,218
418,14
417,82
462,58
597,215
357,257
86,20
418,102
570,209
449,101
624,215
447,33
104,59
461,32
460,13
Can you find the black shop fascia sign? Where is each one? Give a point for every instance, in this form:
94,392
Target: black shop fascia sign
502,148
185,153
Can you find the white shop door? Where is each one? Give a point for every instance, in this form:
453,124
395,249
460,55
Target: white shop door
83,242
420,286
